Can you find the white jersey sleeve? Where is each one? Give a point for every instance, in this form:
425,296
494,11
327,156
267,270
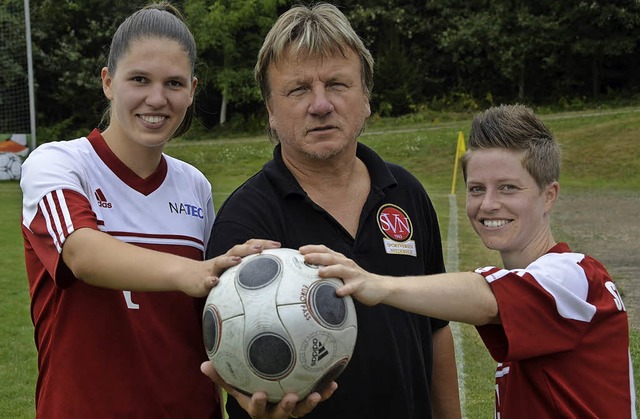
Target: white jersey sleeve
54,166
557,296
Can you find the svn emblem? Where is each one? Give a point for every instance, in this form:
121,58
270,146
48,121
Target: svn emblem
395,225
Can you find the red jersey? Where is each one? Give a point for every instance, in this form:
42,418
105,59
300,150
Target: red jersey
106,353
563,345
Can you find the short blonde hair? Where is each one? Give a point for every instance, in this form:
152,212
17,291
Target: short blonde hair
319,30
517,128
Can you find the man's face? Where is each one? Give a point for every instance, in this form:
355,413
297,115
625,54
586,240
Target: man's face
318,105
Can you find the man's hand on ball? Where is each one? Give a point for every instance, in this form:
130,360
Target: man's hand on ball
257,406
305,406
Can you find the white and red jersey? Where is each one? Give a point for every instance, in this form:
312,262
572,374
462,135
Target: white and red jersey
105,353
563,345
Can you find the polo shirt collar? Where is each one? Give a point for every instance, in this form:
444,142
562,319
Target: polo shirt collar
286,184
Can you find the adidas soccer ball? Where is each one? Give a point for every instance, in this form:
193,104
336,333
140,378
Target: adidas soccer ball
273,325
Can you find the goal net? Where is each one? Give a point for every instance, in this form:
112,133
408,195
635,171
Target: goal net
16,100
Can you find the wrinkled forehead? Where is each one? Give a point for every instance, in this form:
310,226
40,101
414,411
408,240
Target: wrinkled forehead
296,53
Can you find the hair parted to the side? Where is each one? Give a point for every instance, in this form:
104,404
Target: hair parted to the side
311,31
156,20
517,128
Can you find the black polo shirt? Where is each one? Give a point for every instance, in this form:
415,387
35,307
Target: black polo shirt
389,375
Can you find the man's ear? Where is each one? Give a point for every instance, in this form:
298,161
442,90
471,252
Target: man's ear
269,114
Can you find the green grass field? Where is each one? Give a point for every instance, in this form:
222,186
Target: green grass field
599,153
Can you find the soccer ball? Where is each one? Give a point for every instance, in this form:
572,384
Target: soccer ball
10,166
273,325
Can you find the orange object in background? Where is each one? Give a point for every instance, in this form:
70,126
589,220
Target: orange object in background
10,146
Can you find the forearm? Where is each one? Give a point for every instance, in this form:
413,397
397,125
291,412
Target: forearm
101,260
462,296
445,398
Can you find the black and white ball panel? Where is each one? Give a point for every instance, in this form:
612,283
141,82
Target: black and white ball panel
271,324
224,296
271,356
325,306
259,272
211,323
330,375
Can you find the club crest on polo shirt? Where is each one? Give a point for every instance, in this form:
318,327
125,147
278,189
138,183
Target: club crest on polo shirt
397,229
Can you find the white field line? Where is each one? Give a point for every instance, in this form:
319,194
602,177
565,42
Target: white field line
452,265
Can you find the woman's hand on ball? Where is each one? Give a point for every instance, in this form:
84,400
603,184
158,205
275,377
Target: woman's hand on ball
366,287
208,272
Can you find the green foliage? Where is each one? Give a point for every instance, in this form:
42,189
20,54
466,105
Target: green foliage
11,70
597,32
458,102
239,84
229,33
600,29
507,39
70,43
60,131
397,37
546,53
397,80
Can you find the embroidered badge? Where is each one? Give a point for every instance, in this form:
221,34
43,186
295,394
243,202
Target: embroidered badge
395,225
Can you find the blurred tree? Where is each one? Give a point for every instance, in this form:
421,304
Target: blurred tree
509,37
426,52
597,32
13,64
399,36
70,41
229,34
